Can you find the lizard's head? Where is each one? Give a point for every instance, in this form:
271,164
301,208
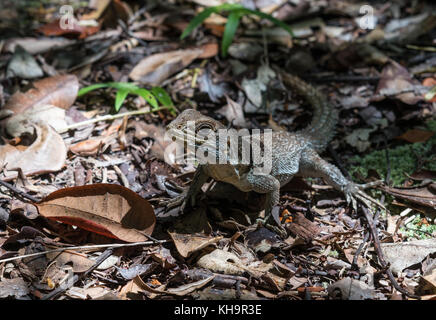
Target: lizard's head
189,123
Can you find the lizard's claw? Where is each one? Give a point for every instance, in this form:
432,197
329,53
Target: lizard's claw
355,192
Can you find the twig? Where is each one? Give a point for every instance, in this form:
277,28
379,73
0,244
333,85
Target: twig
359,249
90,247
380,256
112,117
344,78
18,192
365,239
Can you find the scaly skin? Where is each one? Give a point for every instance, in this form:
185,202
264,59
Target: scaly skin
293,154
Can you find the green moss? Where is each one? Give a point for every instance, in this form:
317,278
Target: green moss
334,254
418,230
403,159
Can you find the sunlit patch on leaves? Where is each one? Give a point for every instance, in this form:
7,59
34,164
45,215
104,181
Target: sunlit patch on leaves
236,12
156,95
429,96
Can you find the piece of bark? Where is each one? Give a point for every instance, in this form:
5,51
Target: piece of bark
303,227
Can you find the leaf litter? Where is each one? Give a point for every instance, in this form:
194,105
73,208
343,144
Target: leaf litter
110,176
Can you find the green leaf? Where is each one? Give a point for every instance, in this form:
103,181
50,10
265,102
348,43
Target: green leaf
123,86
119,98
230,31
91,88
268,17
147,96
126,88
162,96
198,19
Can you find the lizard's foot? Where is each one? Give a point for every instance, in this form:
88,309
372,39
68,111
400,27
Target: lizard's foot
355,192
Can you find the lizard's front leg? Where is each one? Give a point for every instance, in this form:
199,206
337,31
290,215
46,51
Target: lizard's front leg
189,196
312,165
263,184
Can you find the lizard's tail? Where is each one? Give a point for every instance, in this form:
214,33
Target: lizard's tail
325,116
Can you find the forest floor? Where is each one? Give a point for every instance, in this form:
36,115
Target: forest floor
85,168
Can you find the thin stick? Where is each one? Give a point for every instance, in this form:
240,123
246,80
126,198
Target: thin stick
379,252
18,192
90,247
111,117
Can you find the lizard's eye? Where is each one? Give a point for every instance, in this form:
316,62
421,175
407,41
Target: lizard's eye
204,126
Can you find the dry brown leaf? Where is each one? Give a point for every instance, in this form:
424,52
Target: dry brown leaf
47,153
92,146
52,115
154,69
132,289
35,45
88,147
186,244
416,135
209,50
180,291
80,263
422,195
428,282
394,80
60,91
404,254
233,112
108,209
54,29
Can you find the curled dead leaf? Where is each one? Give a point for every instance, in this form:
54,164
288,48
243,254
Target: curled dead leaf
154,69
46,154
60,91
108,209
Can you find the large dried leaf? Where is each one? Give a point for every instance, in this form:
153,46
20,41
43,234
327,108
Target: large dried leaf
186,244
36,45
46,154
108,209
404,254
424,195
396,81
154,69
60,91
80,263
54,29
21,122
351,289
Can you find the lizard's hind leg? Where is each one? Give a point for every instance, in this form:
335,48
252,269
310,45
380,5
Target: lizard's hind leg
312,165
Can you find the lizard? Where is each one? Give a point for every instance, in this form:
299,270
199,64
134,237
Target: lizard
293,154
